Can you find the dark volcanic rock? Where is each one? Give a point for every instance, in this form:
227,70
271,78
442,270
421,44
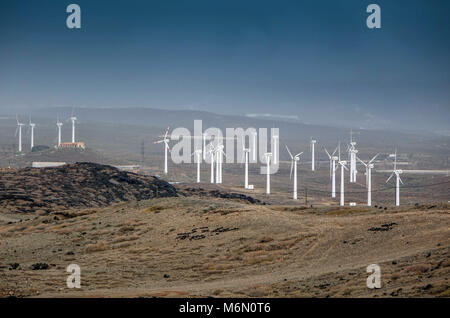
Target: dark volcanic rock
75,185
39,266
221,194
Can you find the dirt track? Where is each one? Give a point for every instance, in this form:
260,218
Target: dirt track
217,247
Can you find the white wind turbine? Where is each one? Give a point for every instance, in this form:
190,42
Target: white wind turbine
19,130
165,140
333,160
268,155
32,125
294,161
397,173
59,125
198,154
313,165
343,164
369,166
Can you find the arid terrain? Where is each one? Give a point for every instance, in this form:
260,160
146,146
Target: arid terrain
212,241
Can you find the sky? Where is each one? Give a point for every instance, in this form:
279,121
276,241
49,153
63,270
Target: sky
316,60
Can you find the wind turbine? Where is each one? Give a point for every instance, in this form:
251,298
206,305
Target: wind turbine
397,173
333,160
19,130
343,165
165,140
32,125
73,119
369,166
59,124
294,161
312,143
268,155
198,154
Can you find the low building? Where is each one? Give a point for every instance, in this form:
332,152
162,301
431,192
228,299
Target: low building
46,164
78,144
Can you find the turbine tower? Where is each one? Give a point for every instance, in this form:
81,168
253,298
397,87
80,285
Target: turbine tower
294,161
165,140
73,119
268,155
32,125
19,130
333,167
343,165
369,166
397,173
313,166
211,152
198,154
219,162
59,125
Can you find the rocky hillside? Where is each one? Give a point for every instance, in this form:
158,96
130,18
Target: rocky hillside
75,185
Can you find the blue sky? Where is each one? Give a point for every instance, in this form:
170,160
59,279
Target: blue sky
313,59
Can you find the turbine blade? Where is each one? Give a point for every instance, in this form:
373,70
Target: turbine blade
374,158
339,149
400,179
329,156
334,151
292,167
167,131
362,162
395,160
290,154
331,168
390,177
17,130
